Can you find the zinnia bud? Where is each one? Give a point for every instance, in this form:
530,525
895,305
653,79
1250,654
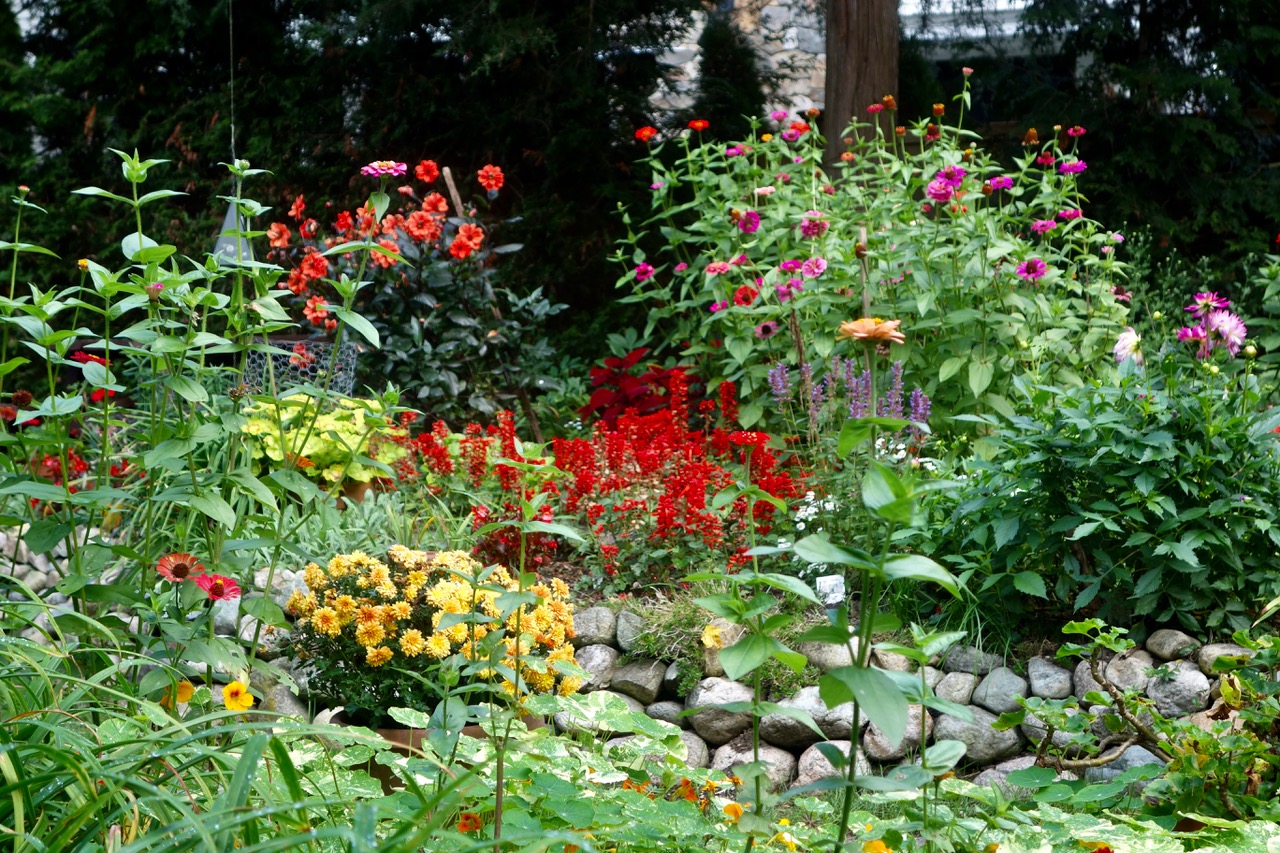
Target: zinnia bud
939,109
889,102
901,130
1031,138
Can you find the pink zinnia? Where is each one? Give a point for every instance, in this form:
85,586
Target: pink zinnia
681,267
814,267
749,223
218,587
1032,269
939,191
719,306
1228,329
1206,301
765,191
812,225
791,265
379,168
952,175
1070,213
1041,226
643,271
790,135
1075,130
767,329
778,115
718,268
1046,158
1128,346
1073,168
875,108
1001,182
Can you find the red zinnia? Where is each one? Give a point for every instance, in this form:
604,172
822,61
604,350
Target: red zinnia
344,223
435,203
491,178
473,234
278,235
218,587
646,133
427,171
314,266
745,295
176,568
699,124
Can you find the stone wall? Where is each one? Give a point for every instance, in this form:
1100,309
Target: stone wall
1182,686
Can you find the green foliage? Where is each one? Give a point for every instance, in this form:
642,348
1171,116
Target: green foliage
1154,497
730,88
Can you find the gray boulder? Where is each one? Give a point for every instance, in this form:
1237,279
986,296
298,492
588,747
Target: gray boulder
668,712
729,634
827,656
1085,682
1000,690
878,747
780,765
782,730
971,660
1207,655
1185,692
640,679
984,745
1130,670
594,626
956,687
1171,644
715,725
1134,756
630,626
1047,679
813,765
599,660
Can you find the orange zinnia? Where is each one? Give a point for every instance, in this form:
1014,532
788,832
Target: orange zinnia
872,329
176,568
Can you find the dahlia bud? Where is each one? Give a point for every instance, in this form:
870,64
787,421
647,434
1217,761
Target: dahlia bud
1157,315
1250,351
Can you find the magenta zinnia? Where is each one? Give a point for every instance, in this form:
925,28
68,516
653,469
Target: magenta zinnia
1032,269
1206,301
1041,226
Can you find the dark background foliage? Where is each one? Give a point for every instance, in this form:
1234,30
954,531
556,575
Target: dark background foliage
1179,96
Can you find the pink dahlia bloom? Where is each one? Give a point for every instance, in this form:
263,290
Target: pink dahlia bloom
1227,329
1128,346
1206,301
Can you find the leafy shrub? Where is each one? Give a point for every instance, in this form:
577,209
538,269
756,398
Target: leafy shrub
1155,496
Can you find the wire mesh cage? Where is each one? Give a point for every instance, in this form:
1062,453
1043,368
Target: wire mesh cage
304,362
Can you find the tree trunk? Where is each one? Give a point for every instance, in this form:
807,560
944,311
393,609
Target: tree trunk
862,64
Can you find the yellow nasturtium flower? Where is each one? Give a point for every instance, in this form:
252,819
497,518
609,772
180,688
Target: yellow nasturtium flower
236,696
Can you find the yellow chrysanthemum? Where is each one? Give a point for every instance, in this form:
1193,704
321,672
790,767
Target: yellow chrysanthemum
569,685
412,643
377,656
437,646
388,590
417,578
400,610
325,621
345,606
314,577
369,634
301,604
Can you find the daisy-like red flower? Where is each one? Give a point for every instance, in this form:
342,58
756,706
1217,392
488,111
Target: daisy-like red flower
491,178
218,587
646,133
427,171
296,209
699,124
176,568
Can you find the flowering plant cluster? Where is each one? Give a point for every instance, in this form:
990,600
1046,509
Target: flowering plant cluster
376,631
449,338
996,271
350,441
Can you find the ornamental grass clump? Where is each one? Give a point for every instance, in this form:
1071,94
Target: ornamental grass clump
381,634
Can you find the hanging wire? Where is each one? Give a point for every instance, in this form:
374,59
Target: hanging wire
231,65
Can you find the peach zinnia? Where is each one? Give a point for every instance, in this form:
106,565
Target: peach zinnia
176,568
872,329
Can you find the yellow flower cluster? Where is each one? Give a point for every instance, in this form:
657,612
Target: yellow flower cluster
413,606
